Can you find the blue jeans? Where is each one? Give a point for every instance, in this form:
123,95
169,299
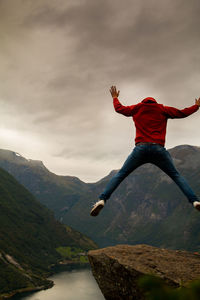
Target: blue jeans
149,153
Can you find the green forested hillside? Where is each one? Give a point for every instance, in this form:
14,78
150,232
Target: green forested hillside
29,237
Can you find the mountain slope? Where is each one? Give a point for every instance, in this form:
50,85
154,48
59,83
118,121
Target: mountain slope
149,208
29,238
146,208
59,193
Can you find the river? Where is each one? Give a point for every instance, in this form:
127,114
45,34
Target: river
69,285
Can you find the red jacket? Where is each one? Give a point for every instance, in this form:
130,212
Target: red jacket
151,118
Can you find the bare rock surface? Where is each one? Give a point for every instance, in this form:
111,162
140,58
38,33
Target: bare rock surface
117,269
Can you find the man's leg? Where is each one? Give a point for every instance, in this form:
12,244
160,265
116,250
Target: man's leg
163,160
134,160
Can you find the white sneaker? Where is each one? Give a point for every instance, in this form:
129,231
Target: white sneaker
97,207
196,205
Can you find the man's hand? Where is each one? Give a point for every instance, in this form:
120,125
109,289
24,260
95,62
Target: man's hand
197,101
115,93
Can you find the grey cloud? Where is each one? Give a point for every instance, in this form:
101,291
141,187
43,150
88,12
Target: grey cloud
92,155
58,59
153,47
80,14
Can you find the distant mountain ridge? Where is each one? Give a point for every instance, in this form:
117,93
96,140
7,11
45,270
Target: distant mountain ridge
146,208
58,193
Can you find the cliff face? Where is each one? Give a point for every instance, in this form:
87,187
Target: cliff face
117,269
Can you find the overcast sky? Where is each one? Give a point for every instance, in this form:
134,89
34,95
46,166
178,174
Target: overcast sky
58,60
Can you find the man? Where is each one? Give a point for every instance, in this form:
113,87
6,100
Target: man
150,120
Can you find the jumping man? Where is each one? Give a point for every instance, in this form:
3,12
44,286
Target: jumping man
150,120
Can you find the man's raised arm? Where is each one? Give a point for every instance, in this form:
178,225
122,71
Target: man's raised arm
124,110
173,113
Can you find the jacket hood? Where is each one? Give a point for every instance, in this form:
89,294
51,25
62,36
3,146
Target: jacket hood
149,100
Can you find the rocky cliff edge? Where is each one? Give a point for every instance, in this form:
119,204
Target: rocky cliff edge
117,269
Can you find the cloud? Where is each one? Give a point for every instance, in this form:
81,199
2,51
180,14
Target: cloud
58,60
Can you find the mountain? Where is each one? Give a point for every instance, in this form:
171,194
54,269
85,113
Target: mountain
58,193
31,240
146,208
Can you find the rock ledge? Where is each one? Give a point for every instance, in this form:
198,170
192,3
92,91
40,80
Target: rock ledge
117,269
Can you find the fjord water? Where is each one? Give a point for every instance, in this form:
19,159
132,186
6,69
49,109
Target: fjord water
70,285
